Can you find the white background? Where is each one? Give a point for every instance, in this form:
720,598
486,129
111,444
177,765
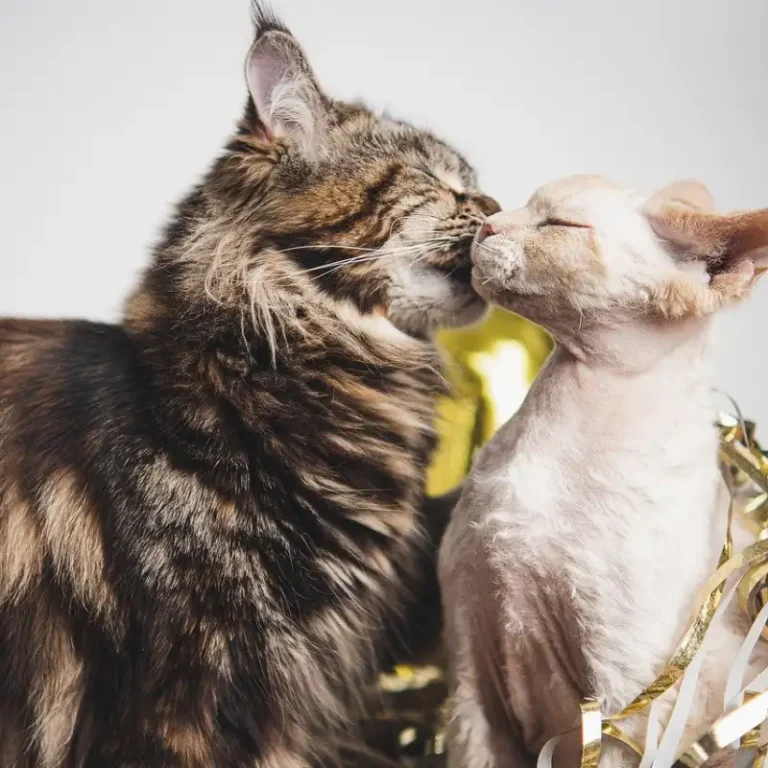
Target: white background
111,109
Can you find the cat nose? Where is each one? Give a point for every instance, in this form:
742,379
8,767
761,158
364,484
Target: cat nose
505,223
486,231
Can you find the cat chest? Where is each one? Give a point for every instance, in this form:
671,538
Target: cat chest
295,544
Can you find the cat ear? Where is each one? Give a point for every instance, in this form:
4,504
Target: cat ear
733,247
287,99
687,192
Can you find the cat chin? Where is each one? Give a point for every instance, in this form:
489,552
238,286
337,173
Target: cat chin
466,310
496,285
423,315
486,282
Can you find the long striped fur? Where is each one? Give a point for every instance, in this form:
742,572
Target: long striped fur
212,512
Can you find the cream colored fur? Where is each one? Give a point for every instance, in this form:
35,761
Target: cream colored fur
592,519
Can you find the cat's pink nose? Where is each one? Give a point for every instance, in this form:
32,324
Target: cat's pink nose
486,231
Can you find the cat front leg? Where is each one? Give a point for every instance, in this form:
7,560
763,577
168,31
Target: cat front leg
476,740
413,633
481,733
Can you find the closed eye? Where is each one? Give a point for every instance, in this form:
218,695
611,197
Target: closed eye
555,222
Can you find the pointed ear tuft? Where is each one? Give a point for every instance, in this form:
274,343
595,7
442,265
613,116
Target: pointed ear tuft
264,19
287,99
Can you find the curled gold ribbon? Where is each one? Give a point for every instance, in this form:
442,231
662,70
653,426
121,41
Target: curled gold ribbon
691,642
749,461
753,591
617,734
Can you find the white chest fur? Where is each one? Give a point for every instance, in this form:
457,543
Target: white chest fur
570,567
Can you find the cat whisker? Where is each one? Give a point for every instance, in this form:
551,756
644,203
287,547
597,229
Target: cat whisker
371,254
428,217
378,251
426,244
414,216
421,250
329,246
416,261
326,269
345,262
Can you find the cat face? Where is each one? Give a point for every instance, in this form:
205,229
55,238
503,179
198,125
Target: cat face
321,202
380,216
584,246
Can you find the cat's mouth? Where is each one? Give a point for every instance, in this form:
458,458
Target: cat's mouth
434,291
458,267
459,273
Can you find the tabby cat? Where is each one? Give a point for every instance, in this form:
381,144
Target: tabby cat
210,512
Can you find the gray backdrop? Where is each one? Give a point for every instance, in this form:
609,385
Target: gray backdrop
110,109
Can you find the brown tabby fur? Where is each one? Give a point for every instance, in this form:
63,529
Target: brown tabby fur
210,513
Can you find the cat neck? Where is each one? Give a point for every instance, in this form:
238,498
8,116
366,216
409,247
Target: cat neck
615,440
639,346
627,388
220,385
